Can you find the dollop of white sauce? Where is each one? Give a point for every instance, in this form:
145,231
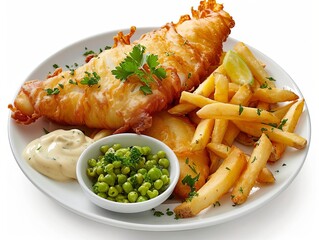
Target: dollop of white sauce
55,154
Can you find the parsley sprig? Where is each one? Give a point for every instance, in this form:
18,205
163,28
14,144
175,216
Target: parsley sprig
144,66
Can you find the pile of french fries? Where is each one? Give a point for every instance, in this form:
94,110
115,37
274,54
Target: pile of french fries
256,114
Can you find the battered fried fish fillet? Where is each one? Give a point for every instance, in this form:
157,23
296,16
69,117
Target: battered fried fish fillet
186,50
177,133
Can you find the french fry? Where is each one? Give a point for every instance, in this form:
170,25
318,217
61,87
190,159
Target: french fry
292,116
221,87
265,176
281,111
220,127
231,134
205,89
242,96
232,89
289,121
219,130
182,109
195,100
254,65
202,134
256,163
263,105
221,150
274,95
236,112
275,134
219,183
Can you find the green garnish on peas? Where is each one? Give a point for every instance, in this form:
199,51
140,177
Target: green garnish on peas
129,174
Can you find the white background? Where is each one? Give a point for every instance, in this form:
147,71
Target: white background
34,30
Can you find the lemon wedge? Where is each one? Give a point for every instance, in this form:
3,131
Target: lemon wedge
236,69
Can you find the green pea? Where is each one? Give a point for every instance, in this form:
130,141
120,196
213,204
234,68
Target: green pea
142,199
120,152
155,157
119,188
112,192
121,178
163,162
158,184
142,190
139,178
165,172
101,178
148,185
104,148
141,163
132,196
116,146
142,171
120,197
152,194
125,170
127,187
165,179
117,164
102,187
109,168
154,173
109,179
91,172
92,162
99,170
127,154
102,194
146,150
149,164
161,154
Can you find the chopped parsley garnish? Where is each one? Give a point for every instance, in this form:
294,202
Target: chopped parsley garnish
53,91
282,123
90,79
169,212
89,52
73,82
55,66
144,66
254,159
271,79
188,180
241,109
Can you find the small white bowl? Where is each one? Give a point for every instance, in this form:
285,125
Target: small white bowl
126,140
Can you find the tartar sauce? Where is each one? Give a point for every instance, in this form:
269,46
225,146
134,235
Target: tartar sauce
56,153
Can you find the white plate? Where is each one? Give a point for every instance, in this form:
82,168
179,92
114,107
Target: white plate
71,196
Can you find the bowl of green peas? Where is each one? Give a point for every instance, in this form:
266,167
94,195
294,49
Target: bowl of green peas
128,172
